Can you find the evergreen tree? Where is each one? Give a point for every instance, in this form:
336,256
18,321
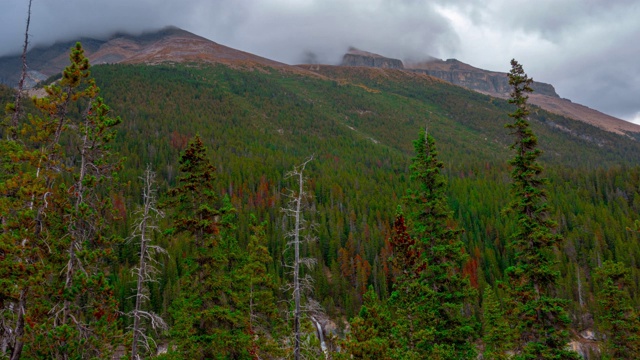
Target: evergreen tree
370,332
207,323
497,335
194,200
405,255
61,217
540,317
618,320
438,304
259,300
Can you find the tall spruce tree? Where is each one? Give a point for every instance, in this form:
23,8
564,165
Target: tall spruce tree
438,301
258,292
206,322
539,316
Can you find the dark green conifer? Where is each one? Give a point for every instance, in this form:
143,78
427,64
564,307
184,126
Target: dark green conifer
207,323
539,316
497,336
257,288
437,302
369,336
618,320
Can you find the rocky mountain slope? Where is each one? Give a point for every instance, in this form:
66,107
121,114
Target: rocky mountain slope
355,57
465,75
493,83
168,45
173,45
497,84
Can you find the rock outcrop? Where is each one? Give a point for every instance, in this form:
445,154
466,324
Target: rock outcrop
357,57
459,73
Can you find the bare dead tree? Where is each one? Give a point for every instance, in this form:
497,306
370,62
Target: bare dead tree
146,270
15,117
298,203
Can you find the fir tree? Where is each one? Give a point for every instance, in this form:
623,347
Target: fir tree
438,303
258,293
370,332
618,319
497,335
194,200
540,317
207,323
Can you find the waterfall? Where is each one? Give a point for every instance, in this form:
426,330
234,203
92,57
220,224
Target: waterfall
320,334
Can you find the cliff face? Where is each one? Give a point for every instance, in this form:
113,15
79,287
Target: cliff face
459,73
357,57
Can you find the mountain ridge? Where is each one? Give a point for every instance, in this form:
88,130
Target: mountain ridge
174,45
492,83
170,44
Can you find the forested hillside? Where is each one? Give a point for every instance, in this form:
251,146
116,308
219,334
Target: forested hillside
221,140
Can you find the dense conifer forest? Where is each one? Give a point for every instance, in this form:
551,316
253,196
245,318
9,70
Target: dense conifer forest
146,207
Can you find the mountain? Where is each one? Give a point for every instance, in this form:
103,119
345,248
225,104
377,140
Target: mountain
359,123
167,45
488,82
355,57
492,83
175,45
497,84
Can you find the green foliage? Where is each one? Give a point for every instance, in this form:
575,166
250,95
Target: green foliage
434,301
226,307
359,123
498,336
369,336
259,290
617,319
538,316
195,198
204,324
57,238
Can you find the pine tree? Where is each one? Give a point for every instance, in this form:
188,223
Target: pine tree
60,215
540,317
618,320
437,302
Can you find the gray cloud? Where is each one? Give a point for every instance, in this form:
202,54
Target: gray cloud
587,48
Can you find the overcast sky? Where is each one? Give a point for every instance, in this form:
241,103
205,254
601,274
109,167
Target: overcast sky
588,49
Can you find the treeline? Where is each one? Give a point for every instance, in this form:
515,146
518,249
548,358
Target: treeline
221,141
